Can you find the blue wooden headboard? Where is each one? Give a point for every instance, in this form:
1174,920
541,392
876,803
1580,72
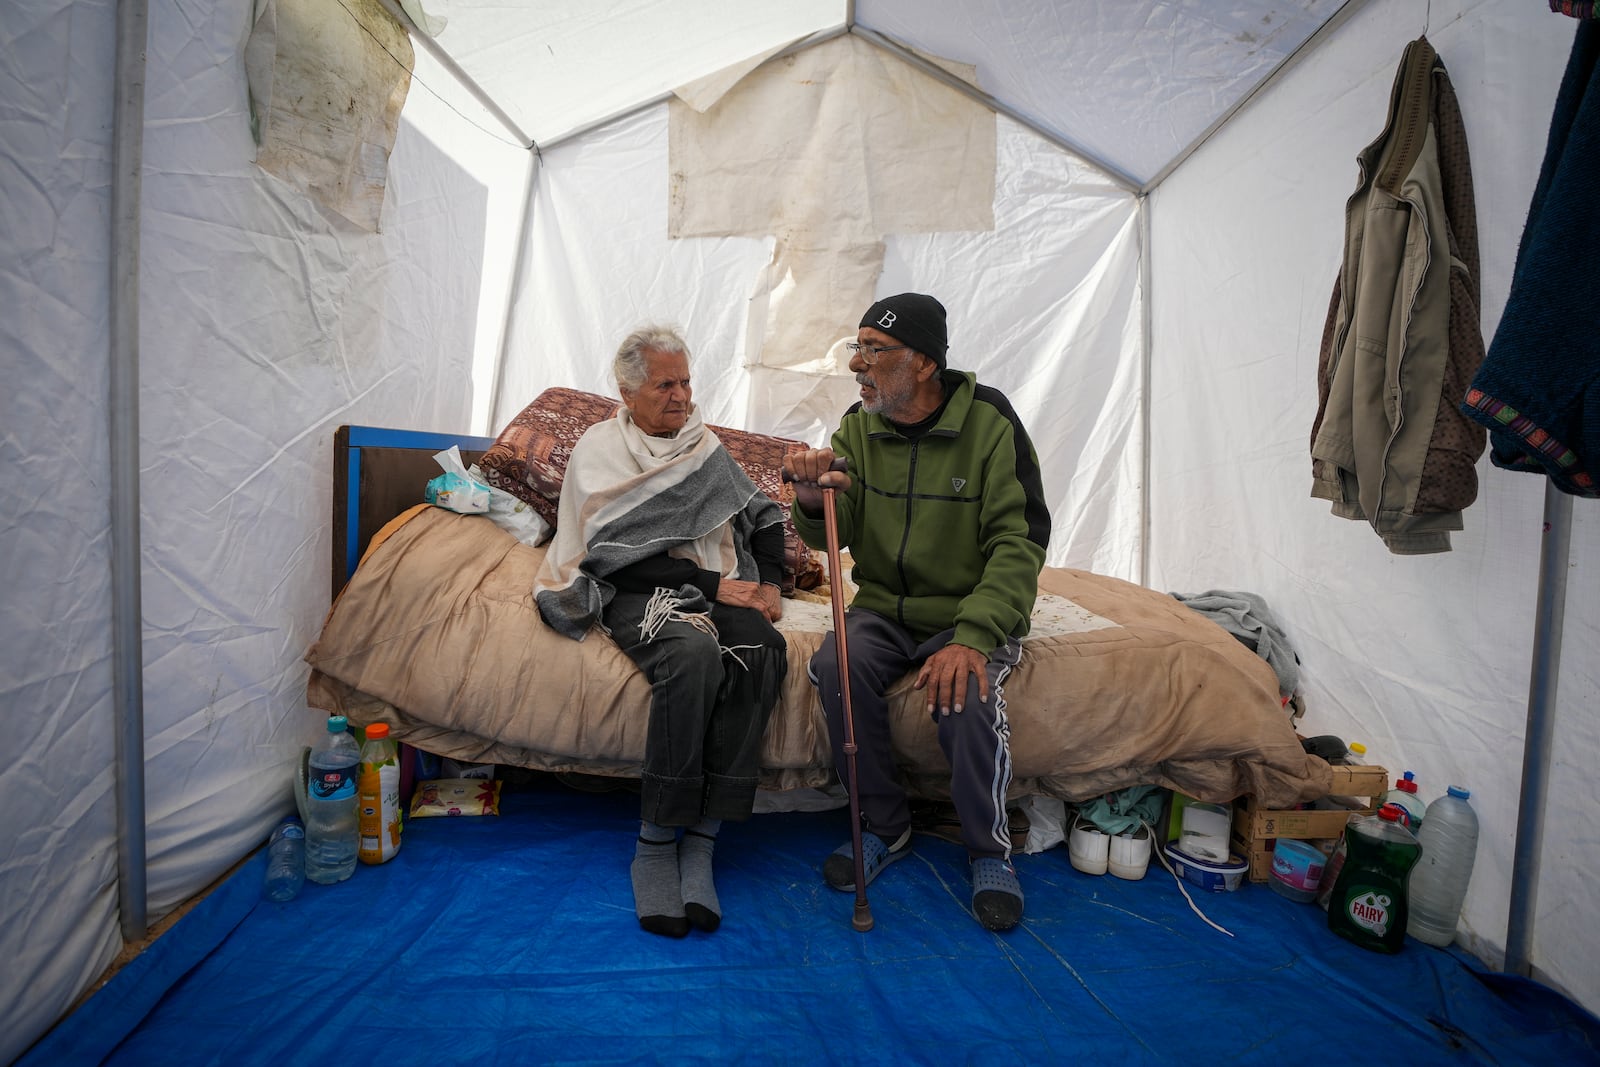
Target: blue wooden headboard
377,474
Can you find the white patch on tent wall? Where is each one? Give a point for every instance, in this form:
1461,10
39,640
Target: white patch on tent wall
786,151
326,85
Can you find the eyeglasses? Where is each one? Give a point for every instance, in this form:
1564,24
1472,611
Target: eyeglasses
869,354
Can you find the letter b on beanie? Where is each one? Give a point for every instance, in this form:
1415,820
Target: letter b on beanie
913,319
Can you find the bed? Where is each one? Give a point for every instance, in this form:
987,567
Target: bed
433,630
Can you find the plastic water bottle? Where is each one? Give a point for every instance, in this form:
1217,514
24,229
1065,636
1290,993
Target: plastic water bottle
1449,839
286,861
1404,796
331,826
379,792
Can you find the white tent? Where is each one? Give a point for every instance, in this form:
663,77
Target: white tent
1133,211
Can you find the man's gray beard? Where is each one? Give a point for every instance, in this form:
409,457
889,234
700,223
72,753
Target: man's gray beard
887,403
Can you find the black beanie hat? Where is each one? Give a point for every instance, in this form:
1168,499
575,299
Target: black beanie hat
913,319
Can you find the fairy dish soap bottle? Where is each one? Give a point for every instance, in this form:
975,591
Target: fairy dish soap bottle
1369,903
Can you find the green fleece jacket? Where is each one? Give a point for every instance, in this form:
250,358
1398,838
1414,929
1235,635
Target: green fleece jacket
949,529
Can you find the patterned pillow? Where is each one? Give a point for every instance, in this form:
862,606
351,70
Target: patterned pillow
529,461
529,458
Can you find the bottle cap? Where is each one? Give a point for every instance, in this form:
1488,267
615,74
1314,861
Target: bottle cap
377,731
1391,813
1457,791
1406,785
337,724
1357,747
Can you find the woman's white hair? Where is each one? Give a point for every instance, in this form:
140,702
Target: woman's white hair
629,367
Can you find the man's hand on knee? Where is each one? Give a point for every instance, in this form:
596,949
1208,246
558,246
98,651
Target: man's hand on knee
944,676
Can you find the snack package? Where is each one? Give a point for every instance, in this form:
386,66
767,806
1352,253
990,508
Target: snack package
455,796
455,489
451,768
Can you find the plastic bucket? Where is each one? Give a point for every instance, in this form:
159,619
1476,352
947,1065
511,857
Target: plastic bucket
1208,874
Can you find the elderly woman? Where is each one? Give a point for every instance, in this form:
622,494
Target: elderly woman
664,540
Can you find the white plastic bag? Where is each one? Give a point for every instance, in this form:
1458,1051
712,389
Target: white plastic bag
515,517
1047,822
455,489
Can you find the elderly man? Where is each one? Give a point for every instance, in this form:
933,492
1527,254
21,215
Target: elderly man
664,540
943,511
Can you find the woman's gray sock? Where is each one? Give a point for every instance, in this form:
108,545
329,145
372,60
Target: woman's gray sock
656,896
700,902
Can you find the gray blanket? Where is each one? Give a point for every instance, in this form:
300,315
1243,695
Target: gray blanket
1246,616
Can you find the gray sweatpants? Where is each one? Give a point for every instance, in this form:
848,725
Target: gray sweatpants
977,742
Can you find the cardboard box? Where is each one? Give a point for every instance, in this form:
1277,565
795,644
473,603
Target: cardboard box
1255,829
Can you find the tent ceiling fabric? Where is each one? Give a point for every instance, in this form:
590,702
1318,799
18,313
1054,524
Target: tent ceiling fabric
1133,83
555,67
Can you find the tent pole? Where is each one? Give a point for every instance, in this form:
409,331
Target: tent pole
127,617
1540,734
1144,388
431,46
517,271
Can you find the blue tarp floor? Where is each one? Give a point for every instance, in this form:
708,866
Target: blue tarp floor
512,939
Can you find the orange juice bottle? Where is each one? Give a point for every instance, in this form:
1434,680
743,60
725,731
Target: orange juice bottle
378,796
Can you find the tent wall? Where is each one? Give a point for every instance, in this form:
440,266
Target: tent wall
58,861
1426,659
1043,307
444,112
264,326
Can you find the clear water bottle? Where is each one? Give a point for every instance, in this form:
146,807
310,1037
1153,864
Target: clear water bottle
331,821
286,861
1449,837
1404,796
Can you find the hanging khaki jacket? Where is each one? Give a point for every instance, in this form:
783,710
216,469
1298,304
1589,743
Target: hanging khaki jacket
1402,339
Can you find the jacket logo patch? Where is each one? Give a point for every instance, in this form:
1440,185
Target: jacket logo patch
958,484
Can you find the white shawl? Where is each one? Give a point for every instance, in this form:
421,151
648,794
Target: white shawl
627,496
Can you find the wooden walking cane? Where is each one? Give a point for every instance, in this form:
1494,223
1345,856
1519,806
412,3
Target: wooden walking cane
861,919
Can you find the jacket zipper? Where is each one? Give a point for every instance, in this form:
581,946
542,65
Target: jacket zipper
905,535
1395,392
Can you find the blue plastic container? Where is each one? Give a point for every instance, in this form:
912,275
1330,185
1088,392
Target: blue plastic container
1297,868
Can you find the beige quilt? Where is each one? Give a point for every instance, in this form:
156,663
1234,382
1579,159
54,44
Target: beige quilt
437,634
